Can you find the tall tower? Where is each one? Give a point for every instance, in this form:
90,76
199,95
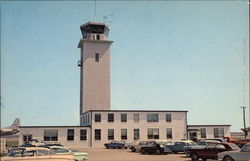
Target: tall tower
95,67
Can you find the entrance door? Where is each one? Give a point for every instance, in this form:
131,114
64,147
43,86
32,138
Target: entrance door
193,136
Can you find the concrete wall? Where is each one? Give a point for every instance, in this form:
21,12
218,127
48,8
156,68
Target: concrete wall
95,76
38,133
178,126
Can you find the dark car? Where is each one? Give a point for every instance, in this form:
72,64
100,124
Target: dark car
155,149
115,145
141,144
48,145
211,151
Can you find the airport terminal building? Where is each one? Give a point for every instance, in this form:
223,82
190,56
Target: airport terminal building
98,123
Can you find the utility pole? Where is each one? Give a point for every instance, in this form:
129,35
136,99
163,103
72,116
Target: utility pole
244,120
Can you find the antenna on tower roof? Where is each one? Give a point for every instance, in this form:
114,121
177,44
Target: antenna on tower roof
95,11
106,18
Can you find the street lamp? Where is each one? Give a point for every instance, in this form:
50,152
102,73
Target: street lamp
244,121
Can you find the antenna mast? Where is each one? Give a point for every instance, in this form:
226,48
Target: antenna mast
95,11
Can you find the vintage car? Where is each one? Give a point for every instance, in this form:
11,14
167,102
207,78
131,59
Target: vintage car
79,156
47,145
179,146
141,144
200,144
211,151
155,149
116,145
34,154
239,155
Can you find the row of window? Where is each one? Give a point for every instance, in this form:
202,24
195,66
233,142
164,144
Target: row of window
152,133
136,117
52,135
218,132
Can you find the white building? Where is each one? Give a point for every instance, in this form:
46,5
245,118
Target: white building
98,123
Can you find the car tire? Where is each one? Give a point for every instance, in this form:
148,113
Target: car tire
143,151
194,157
228,158
158,152
133,149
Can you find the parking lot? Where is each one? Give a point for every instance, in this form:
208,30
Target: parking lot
102,154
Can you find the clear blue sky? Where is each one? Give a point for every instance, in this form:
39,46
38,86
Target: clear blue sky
166,55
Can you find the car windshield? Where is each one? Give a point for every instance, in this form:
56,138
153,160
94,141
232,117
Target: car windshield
233,146
192,143
16,153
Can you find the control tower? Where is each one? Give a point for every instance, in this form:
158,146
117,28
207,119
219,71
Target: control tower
95,67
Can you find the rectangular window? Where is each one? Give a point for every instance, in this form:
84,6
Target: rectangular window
168,118
169,133
97,134
124,134
27,137
97,57
70,135
153,133
203,133
136,134
152,117
110,134
97,117
218,133
136,117
50,135
83,134
123,117
110,117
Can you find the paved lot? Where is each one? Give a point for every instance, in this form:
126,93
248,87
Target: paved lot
102,154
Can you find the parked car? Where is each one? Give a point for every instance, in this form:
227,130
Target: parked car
141,144
79,156
179,146
155,149
116,145
200,145
239,155
211,151
48,145
34,154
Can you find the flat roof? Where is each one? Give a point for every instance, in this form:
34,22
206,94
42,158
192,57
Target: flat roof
51,126
94,23
206,125
133,111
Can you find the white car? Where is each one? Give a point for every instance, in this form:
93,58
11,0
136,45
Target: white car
240,155
60,150
35,154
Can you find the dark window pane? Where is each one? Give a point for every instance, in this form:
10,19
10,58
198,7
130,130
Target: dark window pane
110,117
123,117
97,134
97,117
70,135
97,57
83,134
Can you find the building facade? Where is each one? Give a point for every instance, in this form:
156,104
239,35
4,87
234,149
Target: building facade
134,126
208,131
70,136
